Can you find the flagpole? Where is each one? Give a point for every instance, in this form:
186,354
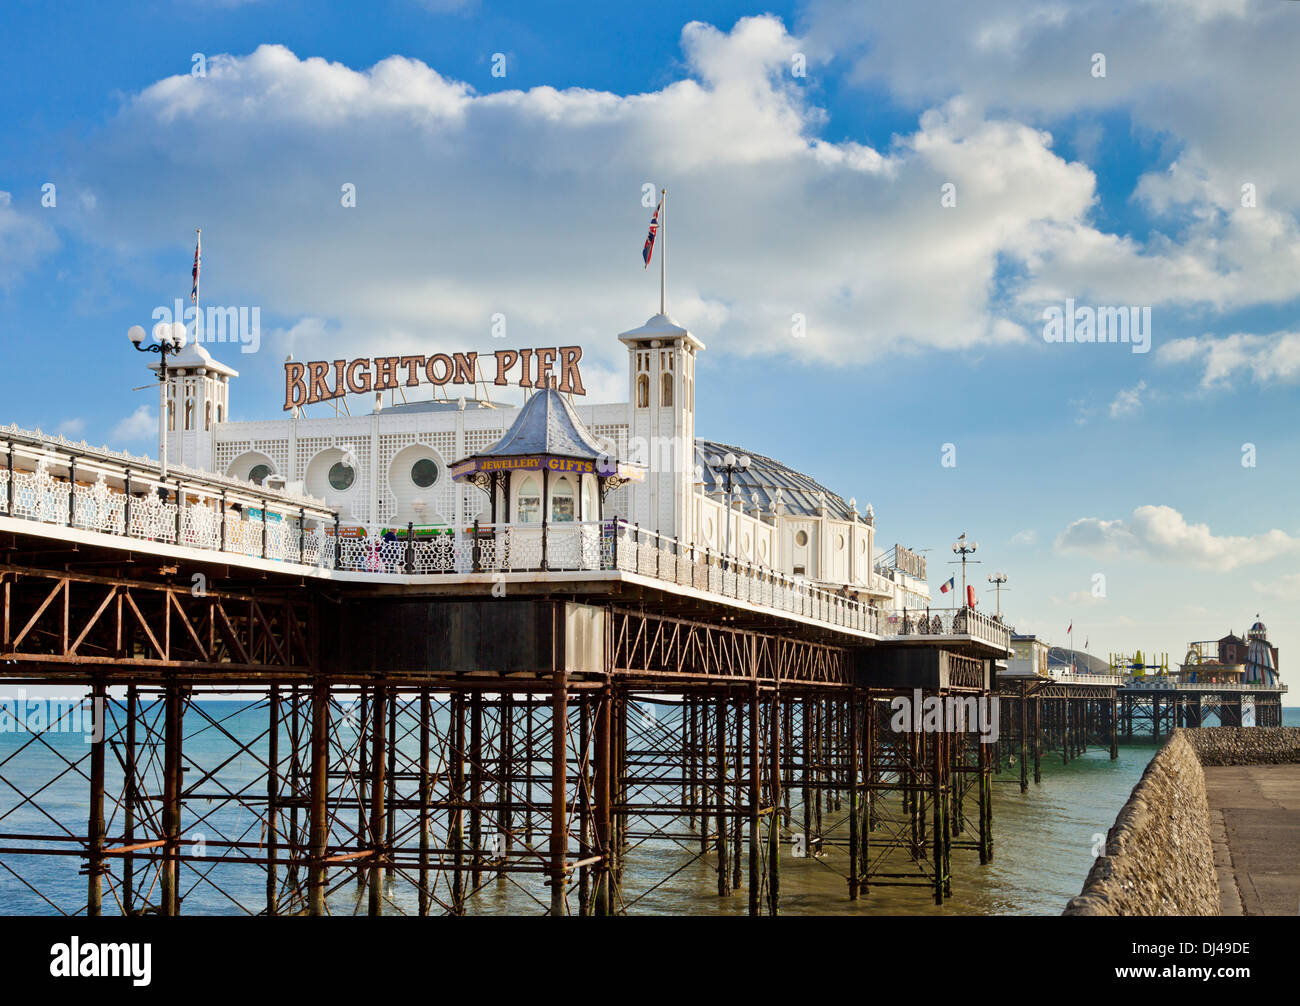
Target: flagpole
198,244
663,252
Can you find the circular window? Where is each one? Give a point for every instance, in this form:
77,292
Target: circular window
424,472
801,538
259,473
341,476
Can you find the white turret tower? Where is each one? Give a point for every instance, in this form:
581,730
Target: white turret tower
198,398
661,432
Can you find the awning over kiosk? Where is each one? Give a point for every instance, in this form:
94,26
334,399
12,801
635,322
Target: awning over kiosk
547,437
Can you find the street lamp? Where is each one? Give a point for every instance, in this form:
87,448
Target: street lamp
961,547
998,579
168,338
728,466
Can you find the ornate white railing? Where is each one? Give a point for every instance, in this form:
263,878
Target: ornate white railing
1209,687
217,515
1084,678
947,622
93,491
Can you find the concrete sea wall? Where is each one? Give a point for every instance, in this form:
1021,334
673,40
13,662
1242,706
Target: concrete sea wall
1159,858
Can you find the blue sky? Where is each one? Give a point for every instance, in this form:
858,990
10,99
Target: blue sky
817,194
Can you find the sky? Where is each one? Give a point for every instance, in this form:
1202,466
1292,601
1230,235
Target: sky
874,210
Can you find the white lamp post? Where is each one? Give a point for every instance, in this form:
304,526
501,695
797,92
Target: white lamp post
728,466
998,579
963,548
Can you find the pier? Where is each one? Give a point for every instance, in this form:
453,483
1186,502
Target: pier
442,719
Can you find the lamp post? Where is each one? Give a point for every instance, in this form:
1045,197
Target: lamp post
168,338
963,548
728,466
998,579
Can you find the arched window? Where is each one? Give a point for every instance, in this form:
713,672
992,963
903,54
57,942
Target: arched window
189,413
643,391
218,412
528,506
207,416
258,473
171,417
666,389
562,501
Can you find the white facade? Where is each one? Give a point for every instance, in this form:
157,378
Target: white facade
390,468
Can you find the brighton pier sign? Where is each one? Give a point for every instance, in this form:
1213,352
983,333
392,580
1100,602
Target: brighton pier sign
324,380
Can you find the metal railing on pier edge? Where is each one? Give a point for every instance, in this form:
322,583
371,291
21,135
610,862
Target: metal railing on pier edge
54,481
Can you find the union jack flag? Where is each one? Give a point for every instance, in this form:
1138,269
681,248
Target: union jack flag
194,290
649,248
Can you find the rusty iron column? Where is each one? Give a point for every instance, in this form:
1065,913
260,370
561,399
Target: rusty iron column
738,794
559,786
936,743
172,785
363,778
130,796
720,753
1038,739
1024,730
755,799
986,793
424,797
476,789
272,793
776,790
390,797
456,801
704,790
584,788
319,784
505,784
603,895
378,766
95,829
853,794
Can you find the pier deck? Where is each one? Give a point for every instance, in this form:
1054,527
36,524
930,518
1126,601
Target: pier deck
1255,817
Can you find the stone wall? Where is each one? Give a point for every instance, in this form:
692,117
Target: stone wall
1159,859
1245,745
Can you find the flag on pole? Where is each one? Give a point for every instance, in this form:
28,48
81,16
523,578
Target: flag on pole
649,248
1070,629
948,584
194,290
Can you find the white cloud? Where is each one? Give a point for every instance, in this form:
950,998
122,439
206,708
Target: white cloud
24,240
1128,401
1161,532
1264,358
72,427
1197,78
1026,537
142,424
474,204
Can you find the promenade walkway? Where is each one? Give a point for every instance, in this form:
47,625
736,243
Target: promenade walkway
1255,827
